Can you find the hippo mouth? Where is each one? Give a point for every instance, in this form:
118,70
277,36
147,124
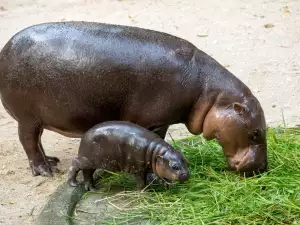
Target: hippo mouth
181,179
247,159
247,167
161,180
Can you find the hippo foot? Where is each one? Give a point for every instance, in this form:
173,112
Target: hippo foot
140,181
170,185
42,169
73,183
153,178
160,181
52,161
140,186
90,187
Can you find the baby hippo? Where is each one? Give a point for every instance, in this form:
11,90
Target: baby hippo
120,146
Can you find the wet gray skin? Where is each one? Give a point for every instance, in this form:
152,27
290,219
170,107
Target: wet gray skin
120,146
69,76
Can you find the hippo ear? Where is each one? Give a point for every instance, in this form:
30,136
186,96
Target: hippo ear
159,159
239,108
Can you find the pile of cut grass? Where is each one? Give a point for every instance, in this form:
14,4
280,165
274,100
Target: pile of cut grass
214,195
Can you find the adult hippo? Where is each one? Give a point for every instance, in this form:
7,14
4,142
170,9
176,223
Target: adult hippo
69,76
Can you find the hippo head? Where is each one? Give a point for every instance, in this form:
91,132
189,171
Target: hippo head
240,128
172,166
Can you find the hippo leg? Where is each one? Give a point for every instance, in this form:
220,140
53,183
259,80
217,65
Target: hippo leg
29,136
140,181
162,132
50,159
73,171
88,179
152,176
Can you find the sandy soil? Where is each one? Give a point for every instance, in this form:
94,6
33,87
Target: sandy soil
232,31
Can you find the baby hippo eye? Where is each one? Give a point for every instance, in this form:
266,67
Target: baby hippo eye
175,167
255,134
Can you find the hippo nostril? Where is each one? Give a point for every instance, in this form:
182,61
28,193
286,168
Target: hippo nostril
183,177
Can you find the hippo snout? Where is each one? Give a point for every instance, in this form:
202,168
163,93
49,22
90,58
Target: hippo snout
260,168
183,177
250,161
254,162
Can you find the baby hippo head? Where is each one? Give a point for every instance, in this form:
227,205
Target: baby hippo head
172,166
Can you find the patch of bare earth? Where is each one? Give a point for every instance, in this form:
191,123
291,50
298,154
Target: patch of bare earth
258,41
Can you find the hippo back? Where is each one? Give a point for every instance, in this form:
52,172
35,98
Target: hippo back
92,72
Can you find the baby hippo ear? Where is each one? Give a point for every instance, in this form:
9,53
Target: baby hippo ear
159,159
239,108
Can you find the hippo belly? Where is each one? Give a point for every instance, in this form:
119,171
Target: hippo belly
67,77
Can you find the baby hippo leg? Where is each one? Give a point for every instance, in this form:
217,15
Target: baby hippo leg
88,179
73,171
153,178
141,181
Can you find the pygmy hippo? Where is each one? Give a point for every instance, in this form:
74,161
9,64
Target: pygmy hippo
122,146
69,76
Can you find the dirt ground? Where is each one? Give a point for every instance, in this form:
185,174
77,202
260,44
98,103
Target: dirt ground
265,57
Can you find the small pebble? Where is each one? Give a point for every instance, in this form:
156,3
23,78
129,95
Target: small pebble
202,35
269,25
3,9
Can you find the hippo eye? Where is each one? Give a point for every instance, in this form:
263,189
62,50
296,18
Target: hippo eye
256,133
176,167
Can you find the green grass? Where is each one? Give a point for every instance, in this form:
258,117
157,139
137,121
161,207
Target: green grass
214,195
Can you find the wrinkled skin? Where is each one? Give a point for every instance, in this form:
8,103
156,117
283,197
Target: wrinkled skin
69,76
172,167
120,146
